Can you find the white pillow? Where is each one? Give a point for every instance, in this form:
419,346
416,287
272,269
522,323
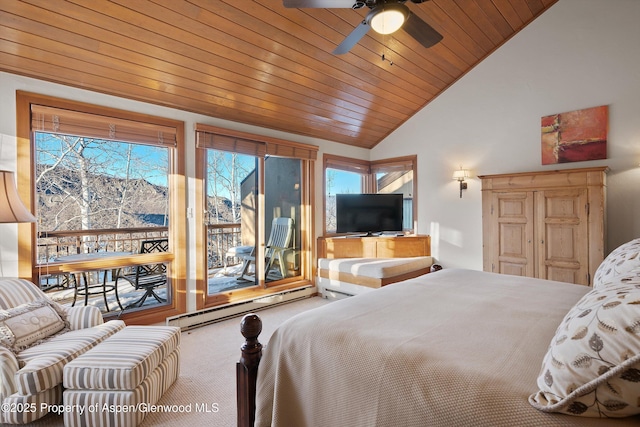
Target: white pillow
30,323
624,260
592,366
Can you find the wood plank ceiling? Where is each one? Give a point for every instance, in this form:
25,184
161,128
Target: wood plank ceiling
256,62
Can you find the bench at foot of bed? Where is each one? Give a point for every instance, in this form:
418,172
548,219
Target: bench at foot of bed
352,276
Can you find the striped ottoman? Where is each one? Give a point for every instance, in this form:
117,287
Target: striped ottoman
117,382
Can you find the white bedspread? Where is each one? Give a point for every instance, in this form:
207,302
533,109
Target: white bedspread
452,348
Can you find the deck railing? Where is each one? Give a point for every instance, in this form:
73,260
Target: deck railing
221,237
53,245
56,244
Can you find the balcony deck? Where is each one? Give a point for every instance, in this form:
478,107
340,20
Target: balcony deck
56,245
220,280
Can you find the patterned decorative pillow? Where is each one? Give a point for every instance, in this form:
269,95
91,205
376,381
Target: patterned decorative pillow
30,323
592,367
623,260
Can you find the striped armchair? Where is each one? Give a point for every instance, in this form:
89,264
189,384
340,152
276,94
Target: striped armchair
37,338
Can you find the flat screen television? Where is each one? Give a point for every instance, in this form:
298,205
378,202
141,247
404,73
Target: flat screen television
369,213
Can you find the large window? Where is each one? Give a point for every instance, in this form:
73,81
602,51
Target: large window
339,182
255,197
90,184
345,175
397,176
105,193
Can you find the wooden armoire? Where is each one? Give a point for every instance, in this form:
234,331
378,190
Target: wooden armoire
549,225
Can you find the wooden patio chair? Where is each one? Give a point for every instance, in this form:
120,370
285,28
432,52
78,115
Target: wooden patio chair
280,240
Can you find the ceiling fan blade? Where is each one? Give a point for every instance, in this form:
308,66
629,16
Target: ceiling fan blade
352,39
424,33
323,4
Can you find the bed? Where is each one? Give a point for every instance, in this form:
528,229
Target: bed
454,347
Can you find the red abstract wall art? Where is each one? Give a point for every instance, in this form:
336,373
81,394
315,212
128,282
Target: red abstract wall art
575,136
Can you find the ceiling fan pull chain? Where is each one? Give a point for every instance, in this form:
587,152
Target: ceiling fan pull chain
384,48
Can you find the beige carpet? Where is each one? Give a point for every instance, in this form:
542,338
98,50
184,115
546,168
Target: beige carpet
207,371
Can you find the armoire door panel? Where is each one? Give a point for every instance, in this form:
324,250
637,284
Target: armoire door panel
568,275
513,240
562,230
513,206
564,205
561,243
515,269
514,228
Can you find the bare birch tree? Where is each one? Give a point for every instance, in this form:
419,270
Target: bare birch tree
224,177
84,184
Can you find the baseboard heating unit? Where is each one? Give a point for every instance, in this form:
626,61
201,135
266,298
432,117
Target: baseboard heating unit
216,314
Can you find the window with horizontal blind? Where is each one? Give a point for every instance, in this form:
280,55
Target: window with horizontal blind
254,190
251,144
61,121
356,176
105,189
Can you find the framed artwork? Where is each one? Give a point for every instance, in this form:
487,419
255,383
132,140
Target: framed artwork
575,136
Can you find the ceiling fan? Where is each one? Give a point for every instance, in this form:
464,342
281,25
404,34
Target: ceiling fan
385,17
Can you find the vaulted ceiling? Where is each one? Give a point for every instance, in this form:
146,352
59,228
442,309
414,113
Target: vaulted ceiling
257,62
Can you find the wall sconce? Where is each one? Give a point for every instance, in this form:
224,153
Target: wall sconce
460,175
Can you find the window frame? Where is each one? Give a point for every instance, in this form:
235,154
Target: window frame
27,263
208,136
368,169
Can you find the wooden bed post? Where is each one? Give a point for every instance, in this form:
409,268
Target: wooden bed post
247,370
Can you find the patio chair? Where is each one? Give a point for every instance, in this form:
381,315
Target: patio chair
279,241
149,276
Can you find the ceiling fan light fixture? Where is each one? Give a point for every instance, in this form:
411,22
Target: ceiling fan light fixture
388,18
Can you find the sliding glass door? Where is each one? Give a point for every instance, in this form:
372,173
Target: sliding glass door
231,214
254,215
233,220
283,208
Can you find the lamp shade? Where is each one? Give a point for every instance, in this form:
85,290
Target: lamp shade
11,207
461,174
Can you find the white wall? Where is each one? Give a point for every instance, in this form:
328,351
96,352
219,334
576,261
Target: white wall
578,54
10,83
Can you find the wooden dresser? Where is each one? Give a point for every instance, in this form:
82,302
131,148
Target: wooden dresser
549,225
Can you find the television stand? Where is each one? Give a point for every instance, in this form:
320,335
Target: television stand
374,246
